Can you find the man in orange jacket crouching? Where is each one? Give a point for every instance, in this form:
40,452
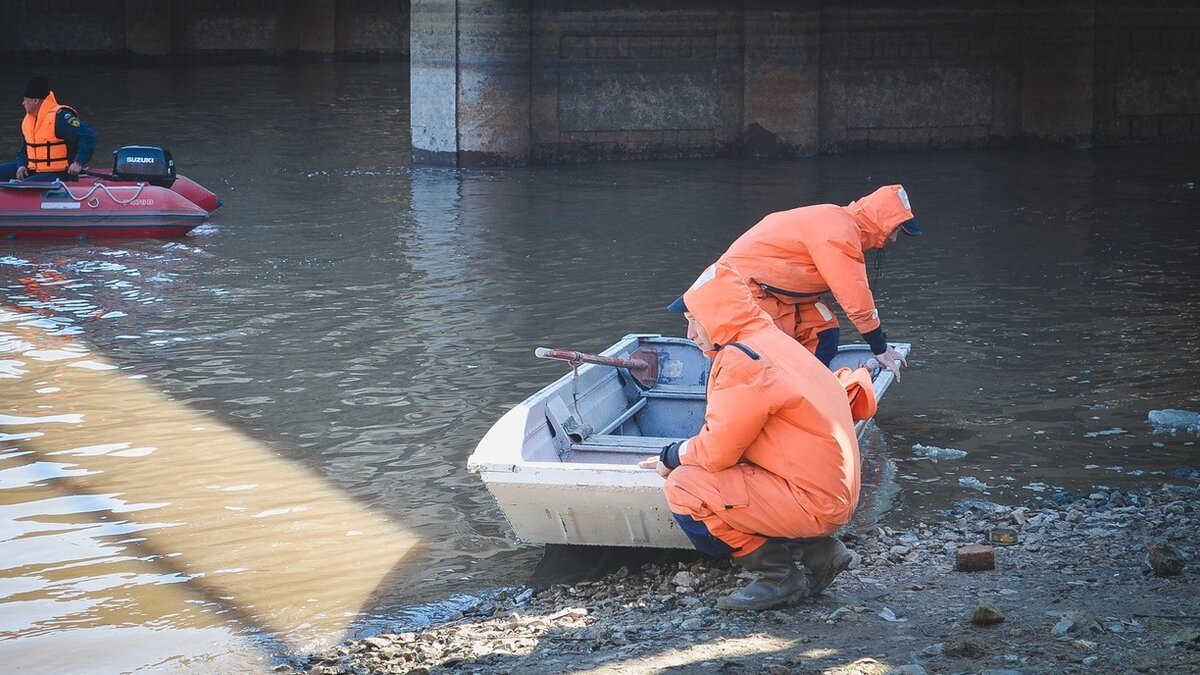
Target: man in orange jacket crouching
777,459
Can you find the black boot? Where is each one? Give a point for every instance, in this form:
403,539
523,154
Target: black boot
825,558
778,582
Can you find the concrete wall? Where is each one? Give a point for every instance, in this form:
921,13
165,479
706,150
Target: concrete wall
50,26
663,79
635,80
1058,78
930,74
515,81
493,81
782,78
205,29
1147,81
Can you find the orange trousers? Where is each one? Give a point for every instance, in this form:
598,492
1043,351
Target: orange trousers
802,320
742,506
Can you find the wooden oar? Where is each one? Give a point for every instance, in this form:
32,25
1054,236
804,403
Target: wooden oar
642,364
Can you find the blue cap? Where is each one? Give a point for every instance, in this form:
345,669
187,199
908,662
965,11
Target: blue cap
911,228
677,306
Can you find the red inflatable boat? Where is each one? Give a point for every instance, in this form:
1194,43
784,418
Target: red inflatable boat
143,197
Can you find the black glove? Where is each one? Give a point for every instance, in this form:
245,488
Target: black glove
670,455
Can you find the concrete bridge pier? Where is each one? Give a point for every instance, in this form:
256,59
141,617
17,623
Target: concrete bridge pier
1058,72
546,81
470,82
782,78
518,81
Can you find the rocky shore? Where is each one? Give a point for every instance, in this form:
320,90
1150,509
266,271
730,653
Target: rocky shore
1099,583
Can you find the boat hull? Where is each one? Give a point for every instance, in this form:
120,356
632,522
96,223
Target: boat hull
560,481
98,208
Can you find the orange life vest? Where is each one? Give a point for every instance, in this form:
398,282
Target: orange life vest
45,152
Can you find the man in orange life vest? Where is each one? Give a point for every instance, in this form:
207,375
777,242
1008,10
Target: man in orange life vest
775,469
56,143
792,257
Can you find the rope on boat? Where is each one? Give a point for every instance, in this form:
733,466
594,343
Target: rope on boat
575,386
95,201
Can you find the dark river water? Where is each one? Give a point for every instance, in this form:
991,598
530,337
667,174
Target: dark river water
347,326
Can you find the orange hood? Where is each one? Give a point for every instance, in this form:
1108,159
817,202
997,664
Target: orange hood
720,300
879,214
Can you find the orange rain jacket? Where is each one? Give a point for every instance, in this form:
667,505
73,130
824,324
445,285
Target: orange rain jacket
777,456
792,257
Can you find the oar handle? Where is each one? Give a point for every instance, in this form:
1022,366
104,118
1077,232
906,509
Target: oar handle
580,357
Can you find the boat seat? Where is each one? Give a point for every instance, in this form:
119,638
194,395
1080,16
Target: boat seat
633,445
675,391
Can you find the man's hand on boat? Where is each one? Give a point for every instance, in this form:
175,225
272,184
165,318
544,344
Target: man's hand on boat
655,463
72,170
892,360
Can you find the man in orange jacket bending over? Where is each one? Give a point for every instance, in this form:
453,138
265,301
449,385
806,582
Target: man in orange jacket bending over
777,457
792,257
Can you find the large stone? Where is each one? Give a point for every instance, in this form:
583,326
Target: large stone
963,649
1164,560
986,615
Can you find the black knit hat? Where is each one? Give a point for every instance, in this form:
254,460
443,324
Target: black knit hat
37,87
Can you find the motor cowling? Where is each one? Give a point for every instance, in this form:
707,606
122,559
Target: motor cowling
144,163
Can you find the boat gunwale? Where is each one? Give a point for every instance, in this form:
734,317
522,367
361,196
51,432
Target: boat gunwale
882,383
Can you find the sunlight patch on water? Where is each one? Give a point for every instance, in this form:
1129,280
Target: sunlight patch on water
54,354
37,472
70,418
177,530
11,368
91,365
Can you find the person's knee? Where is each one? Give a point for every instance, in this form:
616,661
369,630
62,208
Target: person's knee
8,170
689,491
44,177
681,486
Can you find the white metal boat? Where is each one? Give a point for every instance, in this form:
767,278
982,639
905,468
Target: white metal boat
562,464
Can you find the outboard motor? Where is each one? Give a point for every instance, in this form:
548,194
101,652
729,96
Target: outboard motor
144,163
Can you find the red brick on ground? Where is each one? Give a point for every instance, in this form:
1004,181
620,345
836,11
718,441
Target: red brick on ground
974,558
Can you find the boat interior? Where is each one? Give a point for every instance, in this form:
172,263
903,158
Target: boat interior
601,415
610,418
